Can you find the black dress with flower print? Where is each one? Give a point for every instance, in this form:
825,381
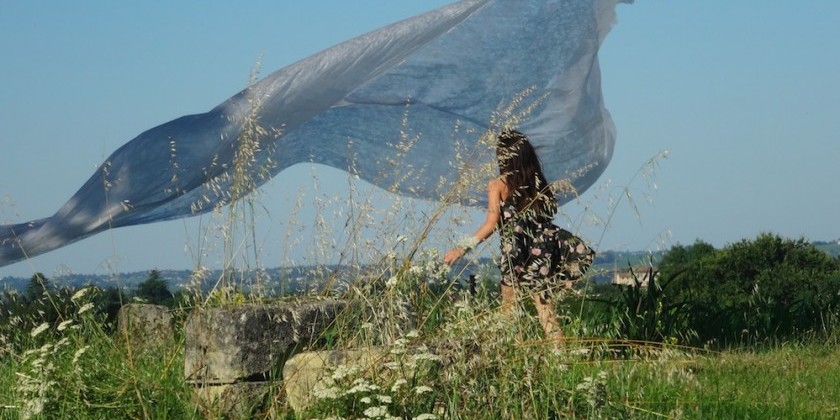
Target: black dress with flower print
538,256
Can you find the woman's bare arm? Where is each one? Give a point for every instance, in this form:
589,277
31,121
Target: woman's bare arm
495,191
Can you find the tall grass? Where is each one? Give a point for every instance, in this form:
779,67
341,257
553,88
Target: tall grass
461,358
77,368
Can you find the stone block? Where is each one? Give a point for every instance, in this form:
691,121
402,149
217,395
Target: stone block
246,343
146,327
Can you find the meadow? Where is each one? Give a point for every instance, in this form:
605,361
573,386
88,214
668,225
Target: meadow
452,354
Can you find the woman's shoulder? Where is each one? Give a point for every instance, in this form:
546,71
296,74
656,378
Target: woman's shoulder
497,183
499,186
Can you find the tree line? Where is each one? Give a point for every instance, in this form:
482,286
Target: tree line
43,302
764,290
761,290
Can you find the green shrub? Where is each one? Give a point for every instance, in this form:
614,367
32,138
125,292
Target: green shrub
759,290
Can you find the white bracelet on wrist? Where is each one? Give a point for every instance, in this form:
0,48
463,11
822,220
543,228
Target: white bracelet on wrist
467,243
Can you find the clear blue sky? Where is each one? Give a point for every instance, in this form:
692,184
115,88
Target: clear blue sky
745,95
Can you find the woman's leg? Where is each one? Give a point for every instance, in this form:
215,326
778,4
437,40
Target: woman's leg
548,319
508,299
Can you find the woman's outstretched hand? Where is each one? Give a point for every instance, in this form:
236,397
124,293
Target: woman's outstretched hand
453,255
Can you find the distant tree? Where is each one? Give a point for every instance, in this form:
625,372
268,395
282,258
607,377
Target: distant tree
679,257
36,287
110,300
154,290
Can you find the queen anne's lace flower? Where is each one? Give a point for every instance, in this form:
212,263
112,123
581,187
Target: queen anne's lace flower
79,294
376,412
422,389
398,384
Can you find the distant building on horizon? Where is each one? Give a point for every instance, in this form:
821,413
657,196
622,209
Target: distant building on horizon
625,277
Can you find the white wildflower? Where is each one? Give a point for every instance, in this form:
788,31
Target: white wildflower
80,294
33,408
585,385
426,356
39,329
344,371
397,384
376,412
86,307
425,416
64,324
325,393
384,399
422,389
594,389
361,386
365,400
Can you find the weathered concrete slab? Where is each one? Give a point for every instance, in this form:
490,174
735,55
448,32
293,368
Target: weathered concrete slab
246,343
146,327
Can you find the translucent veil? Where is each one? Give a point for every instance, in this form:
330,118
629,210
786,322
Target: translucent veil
450,70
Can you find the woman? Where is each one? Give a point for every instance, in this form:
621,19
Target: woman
537,258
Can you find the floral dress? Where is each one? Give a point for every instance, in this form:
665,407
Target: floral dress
538,256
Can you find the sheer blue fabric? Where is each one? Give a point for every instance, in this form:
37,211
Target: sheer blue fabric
446,73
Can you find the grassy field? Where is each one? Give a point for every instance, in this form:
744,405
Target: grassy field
789,382
484,365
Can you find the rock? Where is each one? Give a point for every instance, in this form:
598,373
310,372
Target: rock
303,371
240,400
246,343
146,327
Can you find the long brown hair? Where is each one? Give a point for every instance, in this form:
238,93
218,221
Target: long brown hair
520,169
